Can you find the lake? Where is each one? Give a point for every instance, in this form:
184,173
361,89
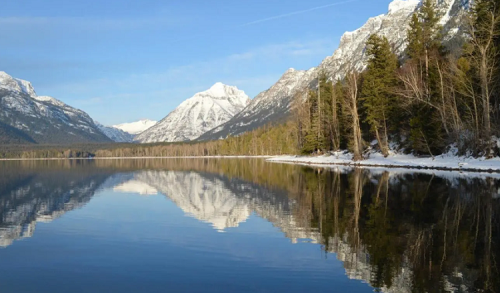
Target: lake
244,225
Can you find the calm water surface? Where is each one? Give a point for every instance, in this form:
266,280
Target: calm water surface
244,225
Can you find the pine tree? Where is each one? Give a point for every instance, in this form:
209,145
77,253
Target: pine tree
325,91
311,139
421,81
378,88
415,45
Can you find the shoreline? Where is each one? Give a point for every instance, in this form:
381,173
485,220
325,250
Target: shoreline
394,161
137,158
398,161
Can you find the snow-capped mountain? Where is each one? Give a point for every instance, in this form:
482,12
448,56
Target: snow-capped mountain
137,127
197,115
270,105
42,119
115,134
274,103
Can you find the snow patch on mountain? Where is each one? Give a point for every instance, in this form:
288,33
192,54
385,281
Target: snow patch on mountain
197,115
16,85
397,5
136,127
115,134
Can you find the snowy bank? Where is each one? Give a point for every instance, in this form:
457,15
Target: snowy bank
396,160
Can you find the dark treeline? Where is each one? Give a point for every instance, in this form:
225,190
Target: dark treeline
427,100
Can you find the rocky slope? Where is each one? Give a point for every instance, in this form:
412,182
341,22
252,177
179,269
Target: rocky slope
197,115
274,104
26,117
115,134
136,127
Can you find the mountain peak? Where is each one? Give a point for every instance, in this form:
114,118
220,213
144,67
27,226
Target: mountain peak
397,5
220,90
198,114
218,85
16,85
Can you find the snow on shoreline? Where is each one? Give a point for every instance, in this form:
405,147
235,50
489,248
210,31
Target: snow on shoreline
395,160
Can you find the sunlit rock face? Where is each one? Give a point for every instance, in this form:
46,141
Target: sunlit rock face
197,115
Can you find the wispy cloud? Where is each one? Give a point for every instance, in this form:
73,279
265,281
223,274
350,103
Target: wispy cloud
295,13
229,28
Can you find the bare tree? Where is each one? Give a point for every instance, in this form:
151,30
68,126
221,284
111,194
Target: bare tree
483,55
351,100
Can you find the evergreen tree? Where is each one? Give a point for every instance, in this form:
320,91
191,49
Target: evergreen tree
312,143
424,50
325,91
378,88
415,46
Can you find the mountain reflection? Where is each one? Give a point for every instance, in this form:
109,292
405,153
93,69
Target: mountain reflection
399,232
32,194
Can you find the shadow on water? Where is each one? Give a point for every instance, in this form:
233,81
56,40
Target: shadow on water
397,231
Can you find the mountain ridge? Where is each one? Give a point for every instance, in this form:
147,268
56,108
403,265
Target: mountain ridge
198,114
42,119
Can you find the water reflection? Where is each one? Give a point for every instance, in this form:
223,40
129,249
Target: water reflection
397,231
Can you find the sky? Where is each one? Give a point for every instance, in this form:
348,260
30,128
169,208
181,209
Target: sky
121,61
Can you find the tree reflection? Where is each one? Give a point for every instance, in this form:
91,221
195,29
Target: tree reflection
445,232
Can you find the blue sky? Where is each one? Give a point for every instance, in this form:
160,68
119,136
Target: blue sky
121,61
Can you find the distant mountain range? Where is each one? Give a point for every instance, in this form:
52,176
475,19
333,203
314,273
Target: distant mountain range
126,132
215,113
